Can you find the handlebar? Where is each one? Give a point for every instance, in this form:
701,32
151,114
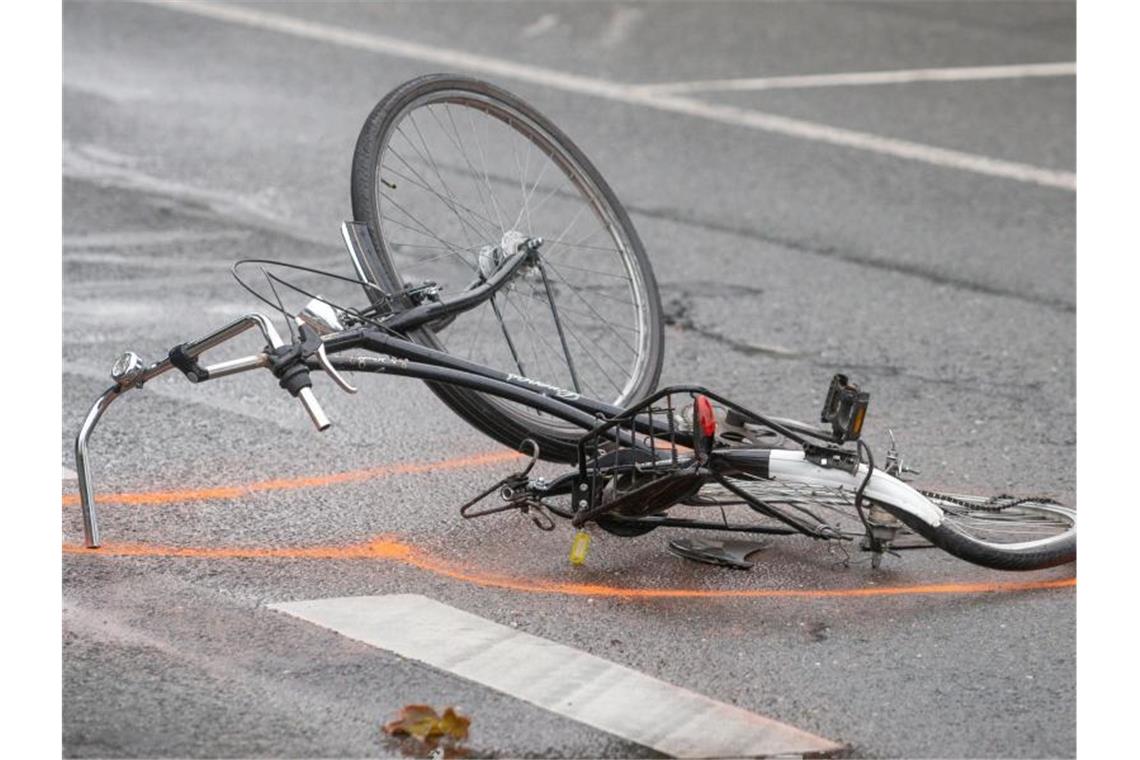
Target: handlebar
129,372
313,407
185,358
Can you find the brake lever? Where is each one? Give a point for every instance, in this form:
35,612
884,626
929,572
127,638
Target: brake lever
312,345
337,378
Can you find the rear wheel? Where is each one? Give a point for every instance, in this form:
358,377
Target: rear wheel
448,168
1005,533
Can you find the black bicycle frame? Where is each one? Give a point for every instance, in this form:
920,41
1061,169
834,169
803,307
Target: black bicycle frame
425,363
395,354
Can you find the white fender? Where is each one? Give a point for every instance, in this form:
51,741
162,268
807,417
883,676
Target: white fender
794,467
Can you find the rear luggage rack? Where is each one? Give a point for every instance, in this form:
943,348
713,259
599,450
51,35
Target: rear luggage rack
642,458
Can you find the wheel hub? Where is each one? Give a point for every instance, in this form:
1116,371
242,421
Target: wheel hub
491,257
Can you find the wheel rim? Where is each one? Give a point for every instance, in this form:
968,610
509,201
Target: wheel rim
1022,525
1002,524
459,172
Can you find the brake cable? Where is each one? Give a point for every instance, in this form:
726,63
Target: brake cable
271,277
863,447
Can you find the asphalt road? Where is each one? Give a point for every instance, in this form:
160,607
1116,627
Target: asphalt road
949,293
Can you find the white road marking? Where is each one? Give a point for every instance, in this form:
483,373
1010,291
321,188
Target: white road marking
147,238
857,78
69,474
624,93
544,24
621,24
558,678
94,164
140,262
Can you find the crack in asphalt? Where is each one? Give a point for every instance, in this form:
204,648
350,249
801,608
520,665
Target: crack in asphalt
830,251
678,313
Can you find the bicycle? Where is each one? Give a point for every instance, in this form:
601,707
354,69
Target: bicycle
554,345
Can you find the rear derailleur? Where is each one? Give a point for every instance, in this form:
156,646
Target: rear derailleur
518,491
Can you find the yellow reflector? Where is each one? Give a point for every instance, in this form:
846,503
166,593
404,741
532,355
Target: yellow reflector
579,547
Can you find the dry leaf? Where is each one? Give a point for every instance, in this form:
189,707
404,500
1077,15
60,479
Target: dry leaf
454,725
425,724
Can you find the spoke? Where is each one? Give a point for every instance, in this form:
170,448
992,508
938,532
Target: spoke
471,342
584,346
597,291
405,244
590,306
561,239
553,190
451,202
507,335
573,221
486,179
529,195
459,146
558,325
564,265
601,349
592,250
421,228
566,309
554,375
524,170
420,261
463,223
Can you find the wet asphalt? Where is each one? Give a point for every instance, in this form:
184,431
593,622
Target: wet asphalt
190,142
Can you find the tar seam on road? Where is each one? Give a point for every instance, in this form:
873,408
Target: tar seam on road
624,93
566,681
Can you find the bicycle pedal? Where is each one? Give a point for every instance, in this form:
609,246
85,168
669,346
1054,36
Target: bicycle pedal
723,553
579,548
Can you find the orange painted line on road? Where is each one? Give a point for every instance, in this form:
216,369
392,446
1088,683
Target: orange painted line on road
389,548
286,484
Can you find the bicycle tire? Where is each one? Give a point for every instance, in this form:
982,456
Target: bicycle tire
1039,533
501,420
1030,555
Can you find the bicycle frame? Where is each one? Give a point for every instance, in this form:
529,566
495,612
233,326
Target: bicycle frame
394,354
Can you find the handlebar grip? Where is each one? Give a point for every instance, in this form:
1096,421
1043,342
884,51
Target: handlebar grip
313,407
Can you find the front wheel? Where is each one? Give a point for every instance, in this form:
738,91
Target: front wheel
448,172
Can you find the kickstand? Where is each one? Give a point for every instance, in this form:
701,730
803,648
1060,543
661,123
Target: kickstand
515,491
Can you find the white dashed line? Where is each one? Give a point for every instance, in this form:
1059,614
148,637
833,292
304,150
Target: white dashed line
566,681
624,93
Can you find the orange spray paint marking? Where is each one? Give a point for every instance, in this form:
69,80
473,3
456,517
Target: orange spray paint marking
389,548
287,484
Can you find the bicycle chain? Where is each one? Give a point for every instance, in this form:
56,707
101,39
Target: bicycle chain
993,505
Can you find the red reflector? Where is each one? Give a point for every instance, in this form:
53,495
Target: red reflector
704,417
